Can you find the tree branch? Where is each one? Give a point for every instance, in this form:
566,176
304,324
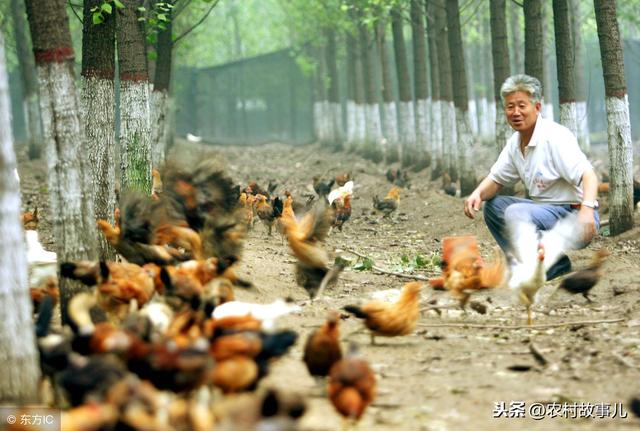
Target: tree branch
537,326
204,17
181,9
519,4
73,6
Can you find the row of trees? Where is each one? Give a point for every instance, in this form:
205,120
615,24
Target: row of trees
430,122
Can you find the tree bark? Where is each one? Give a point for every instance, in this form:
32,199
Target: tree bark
18,353
436,102
580,84
515,30
547,71
135,143
335,107
351,126
500,54
70,185
161,96
565,59
408,152
374,144
390,129
418,38
98,107
533,39
449,136
461,100
619,128
27,69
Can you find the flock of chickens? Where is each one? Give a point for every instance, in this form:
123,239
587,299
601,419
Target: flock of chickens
158,335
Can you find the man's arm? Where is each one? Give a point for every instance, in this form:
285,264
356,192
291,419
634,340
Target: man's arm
485,191
589,193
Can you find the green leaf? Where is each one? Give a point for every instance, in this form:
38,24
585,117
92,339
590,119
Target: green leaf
420,262
162,17
142,9
107,8
97,18
404,259
142,18
364,265
93,9
118,4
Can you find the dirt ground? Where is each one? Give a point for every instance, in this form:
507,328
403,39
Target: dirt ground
440,377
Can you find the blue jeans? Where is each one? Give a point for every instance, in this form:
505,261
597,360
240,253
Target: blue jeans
544,216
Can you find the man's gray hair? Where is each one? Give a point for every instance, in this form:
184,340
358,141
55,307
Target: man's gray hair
525,83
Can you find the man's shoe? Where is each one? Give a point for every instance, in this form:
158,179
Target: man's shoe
561,267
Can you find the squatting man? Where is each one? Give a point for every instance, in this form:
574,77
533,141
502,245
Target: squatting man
555,172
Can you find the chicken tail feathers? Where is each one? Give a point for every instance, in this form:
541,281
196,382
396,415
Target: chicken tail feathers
45,313
356,311
84,272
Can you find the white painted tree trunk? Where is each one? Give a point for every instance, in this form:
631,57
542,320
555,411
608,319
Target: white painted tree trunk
568,117
583,126
18,354
430,126
391,123
422,125
160,124
352,126
317,121
503,131
373,123
98,107
473,117
465,152
437,130
135,142
336,122
449,135
361,123
547,111
327,121
494,111
407,131
32,118
620,164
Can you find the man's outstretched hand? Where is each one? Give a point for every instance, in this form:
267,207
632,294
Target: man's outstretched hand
588,223
472,204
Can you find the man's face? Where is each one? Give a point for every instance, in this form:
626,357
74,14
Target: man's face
521,112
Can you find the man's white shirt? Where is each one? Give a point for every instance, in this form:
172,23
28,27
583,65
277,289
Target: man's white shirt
551,167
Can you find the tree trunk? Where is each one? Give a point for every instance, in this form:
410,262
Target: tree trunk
160,96
436,102
389,102
135,142
374,144
533,39
619,128
352,47
500,54
446,92
98,107
421,86
580,85
70,185
18,354
461,100
320,99
547,72
27,69
515,29
566,62
408,151
335,107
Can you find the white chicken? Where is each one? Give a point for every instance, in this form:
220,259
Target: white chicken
42,263
267,313
341,192
537,251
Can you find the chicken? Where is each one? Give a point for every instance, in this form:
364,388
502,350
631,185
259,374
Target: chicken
87,378
342,179
156,184
117,283
90,416
267,314
287,213
342,212
246,210
322,348
391,320
466,273
312,269
30,219
351,386
254,189
322,188
448,186
390,202
535,252
42,264
268,212
584,280
398,177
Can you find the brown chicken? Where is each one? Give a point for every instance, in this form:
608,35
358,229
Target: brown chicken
398,177
584,280
322,349
390,202
342,179
448,186
390,320
342,210
268,212
305,237
30,219
351,386
465,273
322,188
156,184
246,210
